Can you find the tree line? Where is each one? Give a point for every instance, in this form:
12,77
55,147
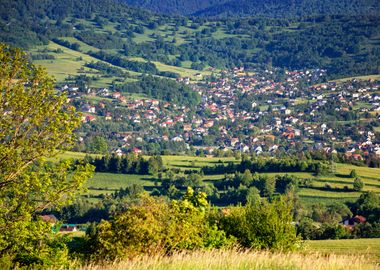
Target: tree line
126,164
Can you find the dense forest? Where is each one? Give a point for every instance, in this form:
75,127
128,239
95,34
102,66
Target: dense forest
345,45
271,8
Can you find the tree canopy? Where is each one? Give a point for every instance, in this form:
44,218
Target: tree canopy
35,124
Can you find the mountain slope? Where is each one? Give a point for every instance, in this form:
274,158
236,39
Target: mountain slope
183,7
291,8
270,8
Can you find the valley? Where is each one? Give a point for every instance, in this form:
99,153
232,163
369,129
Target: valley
223,134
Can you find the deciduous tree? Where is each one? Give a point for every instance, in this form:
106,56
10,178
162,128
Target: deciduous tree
35,123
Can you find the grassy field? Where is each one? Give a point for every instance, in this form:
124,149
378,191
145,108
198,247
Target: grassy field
189,162
234,259
326,189
110,182
367,247
66,63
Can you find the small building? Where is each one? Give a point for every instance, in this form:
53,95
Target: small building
69,228
350,223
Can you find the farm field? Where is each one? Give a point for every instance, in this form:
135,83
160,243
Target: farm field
325,189
367,247
107,183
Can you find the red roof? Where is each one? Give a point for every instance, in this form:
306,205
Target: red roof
359,219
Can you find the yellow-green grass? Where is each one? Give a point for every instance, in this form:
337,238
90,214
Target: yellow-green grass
376,129
140,38
74,155
240,260
182,71
106,183
187,162
364,172
368,77
368,247
318,193
220,34
69,62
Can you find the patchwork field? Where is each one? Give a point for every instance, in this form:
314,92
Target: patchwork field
337,187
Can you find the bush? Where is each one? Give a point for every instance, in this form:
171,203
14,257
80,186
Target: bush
262,225
358,184
154,225
353,174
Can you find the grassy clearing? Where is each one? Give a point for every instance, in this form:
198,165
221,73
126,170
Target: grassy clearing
367,247
189,162
183,72
233,259
106,183
67,63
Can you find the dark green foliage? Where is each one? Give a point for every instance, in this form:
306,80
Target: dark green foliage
274,8
367,230
368,205
353,174
269,165
97,145
340,44
358,184
285,183
107,69
128,164
136,66
163,89
65,43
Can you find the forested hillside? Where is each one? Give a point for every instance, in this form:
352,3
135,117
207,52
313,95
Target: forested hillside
267,8
184,7
116,34
291,8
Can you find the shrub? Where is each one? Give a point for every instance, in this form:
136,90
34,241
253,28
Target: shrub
154,225
353,174
358,184
262,225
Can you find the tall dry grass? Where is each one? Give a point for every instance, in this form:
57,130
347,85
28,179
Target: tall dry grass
234,259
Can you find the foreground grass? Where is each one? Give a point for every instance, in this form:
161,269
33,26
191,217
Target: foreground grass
233,259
